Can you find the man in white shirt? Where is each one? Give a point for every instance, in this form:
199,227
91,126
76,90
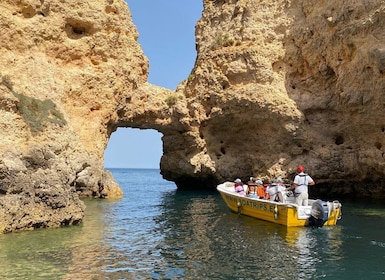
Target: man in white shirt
300,186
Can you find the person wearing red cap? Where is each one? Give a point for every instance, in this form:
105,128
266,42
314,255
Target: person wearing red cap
300,186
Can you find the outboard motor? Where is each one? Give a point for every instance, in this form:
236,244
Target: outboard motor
319,213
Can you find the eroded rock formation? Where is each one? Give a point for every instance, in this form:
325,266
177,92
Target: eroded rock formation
281,83
66,68
275,84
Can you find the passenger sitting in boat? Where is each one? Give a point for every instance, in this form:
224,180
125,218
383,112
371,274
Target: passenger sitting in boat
260,190
275,190
238,187
266,185
252,188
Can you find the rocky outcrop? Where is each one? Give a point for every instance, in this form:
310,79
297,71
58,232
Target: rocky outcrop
275,84
282,83
66,69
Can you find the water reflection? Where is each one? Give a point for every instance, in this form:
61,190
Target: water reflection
166,234
186,224
54,253
313,248
90,253
213,242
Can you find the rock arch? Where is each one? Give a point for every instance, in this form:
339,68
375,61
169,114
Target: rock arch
273,85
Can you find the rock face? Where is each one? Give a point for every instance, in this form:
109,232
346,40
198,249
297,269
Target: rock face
275,84
282,83
67,68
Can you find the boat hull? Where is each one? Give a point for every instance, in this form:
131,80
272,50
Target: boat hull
287,214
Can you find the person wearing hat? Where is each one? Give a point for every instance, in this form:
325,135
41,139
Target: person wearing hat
300,186
255,188
260,190
238,187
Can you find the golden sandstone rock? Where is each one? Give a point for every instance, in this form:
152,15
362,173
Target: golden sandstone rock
275,84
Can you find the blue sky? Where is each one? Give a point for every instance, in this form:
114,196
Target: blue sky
167,36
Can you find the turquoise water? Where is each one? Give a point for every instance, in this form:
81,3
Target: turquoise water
157,232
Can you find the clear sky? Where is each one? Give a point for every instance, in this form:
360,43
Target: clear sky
167,36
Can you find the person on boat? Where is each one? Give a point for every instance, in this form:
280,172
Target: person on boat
275,190
266,185
300,186
238,186
260,190
252,188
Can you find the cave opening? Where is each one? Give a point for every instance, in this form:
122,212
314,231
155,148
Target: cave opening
133,148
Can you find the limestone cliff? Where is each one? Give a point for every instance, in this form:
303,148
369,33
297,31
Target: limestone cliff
281,83
67,68
275,84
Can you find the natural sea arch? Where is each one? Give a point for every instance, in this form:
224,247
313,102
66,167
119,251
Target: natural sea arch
133,148
167,36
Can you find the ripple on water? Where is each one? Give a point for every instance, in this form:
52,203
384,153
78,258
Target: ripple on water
161,233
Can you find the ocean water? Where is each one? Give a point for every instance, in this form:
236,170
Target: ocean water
158,232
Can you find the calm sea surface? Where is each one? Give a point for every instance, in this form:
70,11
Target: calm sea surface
157,232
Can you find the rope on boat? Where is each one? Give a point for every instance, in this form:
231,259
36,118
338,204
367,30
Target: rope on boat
239,207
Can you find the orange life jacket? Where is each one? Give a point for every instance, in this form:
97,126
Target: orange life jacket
261,192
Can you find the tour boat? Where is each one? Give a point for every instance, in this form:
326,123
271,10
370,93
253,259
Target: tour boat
318,213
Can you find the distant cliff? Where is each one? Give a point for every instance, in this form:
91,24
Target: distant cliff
275,84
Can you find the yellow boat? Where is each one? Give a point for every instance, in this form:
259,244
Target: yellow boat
318,213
